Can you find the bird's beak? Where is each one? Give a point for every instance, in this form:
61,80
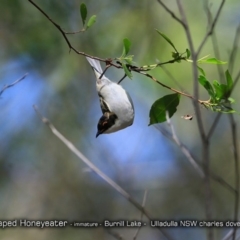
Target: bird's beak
98,133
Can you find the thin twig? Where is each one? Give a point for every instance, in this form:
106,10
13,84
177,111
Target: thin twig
64,34
236,168
57,26
222,182
211,28
106,68
102,175
232,123
115,234
217,54
214,41
232,59
76,32
122,78
184,150
236,80
12,84
170,88
192,159
152,66
171,13
214,125
169,74
228,235
234,50
195,70
85,160
141,217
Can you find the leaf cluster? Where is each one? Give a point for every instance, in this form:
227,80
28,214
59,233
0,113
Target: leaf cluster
126,59
219,93
84,13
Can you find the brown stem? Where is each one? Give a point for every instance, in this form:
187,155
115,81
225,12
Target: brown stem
95,169
211,28
12,84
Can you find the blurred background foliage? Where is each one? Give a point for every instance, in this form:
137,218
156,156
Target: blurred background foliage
41,179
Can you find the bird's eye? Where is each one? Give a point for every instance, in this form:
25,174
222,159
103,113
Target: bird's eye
104,123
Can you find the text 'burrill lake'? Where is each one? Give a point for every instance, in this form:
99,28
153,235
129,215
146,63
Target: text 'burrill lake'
123,223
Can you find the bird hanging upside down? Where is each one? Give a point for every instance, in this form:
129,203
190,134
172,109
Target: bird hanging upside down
116,104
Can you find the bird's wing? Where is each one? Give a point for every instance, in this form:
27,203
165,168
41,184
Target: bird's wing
104,106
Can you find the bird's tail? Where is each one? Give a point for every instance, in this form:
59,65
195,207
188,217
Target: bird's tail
95,64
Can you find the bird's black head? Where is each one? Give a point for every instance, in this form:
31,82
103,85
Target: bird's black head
105,122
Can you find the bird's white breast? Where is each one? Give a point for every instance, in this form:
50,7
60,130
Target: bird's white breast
119,102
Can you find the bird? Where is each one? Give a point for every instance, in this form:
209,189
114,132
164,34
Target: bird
115,102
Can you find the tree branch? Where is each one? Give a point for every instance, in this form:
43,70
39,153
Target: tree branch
12,84
214,125
102,175
234,50
231,118
195,70
205,143
232,59
211,28
170,88
64,34
184,150
214,41
115,235
141,217
192,159
236,168
171,13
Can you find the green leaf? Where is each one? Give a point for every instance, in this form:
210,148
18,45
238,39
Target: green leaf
158,110
231,100
126,46
175,55
188,53
221,89
129,59
201,71
207,85
83,12
229,81
211,61
91,21
203,58
167,39
126,70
